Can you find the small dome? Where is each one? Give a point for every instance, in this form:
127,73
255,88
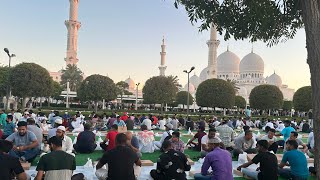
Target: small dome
192,89
204,74
131,83
228,62
195,80
274,79
252,63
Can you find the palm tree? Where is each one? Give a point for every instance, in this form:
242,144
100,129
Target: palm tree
234,85
175,81
72,74
122,89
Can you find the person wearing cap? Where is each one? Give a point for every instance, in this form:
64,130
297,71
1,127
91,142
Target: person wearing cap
147,122
35,129
86,140
52,131
219,160
198,135
268,169
67,144
171,164
167,133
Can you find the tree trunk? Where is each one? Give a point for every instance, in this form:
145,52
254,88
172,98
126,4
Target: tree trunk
311,19
161,108
48,101
40,102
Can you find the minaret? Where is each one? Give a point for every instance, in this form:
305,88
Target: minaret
163,53
213,45
73,25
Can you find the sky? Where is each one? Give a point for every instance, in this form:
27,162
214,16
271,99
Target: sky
122,38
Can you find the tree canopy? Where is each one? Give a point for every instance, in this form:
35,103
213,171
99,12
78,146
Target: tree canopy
56,90
4,77
302,99
240,102
30,80
182,98
215,93
122,88
96,88
72,74
266,97
159,90
287,105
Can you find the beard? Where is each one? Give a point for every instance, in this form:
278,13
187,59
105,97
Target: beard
22,134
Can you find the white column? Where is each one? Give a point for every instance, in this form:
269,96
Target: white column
213,45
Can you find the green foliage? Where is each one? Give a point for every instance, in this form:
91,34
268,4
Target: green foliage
215,93
96,88
159,89
240,102
287,105
270,21
4,76
234,85
30,79
175,81
266,97
302,99
72,74
122,88
56,90
182,98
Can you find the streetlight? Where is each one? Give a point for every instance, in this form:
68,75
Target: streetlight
8,83
188,72
137,86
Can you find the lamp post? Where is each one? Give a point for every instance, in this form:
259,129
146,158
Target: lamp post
188,72
8,83
137,87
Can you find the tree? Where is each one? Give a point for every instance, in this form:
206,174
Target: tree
72,74
265,97
240,102
96,88
182,98
175,81
234,85
122,89
287,105
159,90
215,93
4,75
30,80
302,99
270,21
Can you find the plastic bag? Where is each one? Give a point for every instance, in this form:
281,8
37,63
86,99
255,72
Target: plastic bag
242,158
98,143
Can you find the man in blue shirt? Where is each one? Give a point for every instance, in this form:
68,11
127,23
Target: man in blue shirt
119,122
297,160
9,128
286,132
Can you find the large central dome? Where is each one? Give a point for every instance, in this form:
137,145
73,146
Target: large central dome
228,62
252,63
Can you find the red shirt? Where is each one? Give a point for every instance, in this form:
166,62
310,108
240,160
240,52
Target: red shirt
155,120
124,118
111,136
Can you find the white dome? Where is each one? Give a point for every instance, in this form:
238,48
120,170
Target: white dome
252,63
204,74
131,83
274,79
195,80
228,62
192,89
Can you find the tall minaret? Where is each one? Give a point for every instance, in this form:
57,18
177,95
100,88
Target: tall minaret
163,53
213,45
73,25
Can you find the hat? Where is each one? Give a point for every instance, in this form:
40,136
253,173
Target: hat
58,121
170,126
62,128
214,140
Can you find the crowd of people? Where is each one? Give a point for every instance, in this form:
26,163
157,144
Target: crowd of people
27,135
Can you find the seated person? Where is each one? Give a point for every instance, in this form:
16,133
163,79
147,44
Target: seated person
198,135
176,143
133,143
311,144
86,140
9,128
129,124
219,160
165,136
146,140
297,161
77,125
294,136
189,124
205,149
119,122
57,164
171,164
67,145
280,127
36,130
268,169
305,127
25,143
244,144
272,140
110,139
10,166
52,131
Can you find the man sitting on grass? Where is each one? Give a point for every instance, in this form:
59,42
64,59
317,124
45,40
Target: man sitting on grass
176,143
294,136
86,140
244,143
198,135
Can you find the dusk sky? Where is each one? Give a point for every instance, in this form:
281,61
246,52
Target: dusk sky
123,38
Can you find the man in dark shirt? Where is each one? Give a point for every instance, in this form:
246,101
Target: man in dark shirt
120,160
198,135
85,141
129,124
268,164
9,165
171,164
